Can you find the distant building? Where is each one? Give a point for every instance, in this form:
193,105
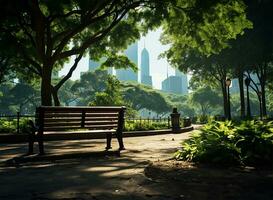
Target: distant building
177,84
172,84
93,65
184,81
145,68
129,74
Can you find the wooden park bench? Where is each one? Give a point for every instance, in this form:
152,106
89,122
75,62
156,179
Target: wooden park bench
75,123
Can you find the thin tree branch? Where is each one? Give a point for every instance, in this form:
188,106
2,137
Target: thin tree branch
69,74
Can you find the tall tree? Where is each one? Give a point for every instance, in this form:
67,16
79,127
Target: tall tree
205,98
144,97
47,33
193,46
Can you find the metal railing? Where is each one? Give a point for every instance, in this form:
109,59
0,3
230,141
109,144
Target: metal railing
166,121
16,120
18,117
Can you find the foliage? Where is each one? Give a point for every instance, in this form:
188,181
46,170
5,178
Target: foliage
10,126
18,97
111,95
225,143
89,83
144,125
144,97
205,98
45,34
216,23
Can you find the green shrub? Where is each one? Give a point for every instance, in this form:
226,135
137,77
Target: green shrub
144,125
10,126
7,126
225,143
256,142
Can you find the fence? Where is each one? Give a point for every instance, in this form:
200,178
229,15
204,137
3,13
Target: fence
147,123
15,121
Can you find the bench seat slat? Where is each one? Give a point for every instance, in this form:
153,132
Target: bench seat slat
77,108
79,111
90,134
78,127
46,120
54,115
72,124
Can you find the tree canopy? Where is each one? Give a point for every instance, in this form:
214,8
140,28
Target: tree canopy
44,34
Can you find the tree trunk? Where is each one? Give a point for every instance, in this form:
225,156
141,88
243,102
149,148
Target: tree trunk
54,93
225,103
242,95
262,76
263,99
46,86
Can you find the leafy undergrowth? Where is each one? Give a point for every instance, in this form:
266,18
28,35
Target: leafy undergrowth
144,126
249,143
10,126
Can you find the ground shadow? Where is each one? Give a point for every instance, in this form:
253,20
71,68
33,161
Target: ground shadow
202,182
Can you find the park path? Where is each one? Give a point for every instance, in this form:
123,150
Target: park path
86,177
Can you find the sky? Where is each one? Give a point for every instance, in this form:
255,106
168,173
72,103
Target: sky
158,67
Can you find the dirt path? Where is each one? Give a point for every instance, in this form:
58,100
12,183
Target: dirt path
89,177
140,173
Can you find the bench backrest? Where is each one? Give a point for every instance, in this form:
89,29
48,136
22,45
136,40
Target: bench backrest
50,118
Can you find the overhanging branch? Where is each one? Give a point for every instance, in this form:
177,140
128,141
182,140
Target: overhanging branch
69,74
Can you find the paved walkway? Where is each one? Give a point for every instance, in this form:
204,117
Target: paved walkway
85,177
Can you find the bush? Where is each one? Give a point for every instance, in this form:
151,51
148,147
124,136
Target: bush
10,126
7,126
225,143
144,125
256,142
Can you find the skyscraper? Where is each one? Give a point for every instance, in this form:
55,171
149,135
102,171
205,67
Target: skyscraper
145,68
184,81
129,74
177,84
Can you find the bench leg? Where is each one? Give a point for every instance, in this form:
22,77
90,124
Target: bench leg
41,144
41,147
108,140
30,146
120,141
30,143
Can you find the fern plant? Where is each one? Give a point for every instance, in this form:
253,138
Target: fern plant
227,143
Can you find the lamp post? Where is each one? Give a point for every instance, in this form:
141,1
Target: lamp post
228,83
248,112
175,120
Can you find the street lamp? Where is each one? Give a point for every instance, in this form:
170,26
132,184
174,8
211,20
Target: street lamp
247,82
228,83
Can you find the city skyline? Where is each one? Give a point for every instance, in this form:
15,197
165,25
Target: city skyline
158,67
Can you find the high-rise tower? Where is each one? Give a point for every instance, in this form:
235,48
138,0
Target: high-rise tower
184,81
145,68
176,84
